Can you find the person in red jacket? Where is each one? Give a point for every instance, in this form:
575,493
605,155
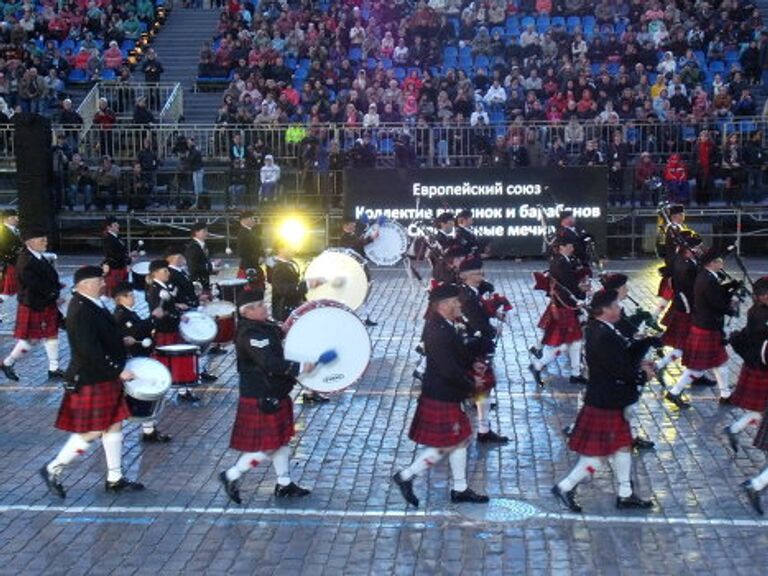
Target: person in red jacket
676,179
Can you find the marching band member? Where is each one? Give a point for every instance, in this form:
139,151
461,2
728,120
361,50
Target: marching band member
116,255
478,322
446,267
439,422
751,392
38,316
466,237
672,238
601,430
137,333
560,322
251,250
93,405
704,349
10,247
264,421
196,253
351,240
445,237
566,231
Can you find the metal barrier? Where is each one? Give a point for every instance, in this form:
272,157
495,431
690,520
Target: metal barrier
164,98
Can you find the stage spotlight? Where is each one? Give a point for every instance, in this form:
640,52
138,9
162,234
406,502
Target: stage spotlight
292,230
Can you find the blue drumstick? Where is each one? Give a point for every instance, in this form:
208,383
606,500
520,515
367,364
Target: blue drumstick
327,357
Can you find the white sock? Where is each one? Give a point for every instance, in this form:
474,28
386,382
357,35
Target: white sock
722,376
574,353
21,348
622,466
749,417
148,426
630,415
585,467
548,354
669,358
760,481
424,460
113,452
247,461
685,379
75,446
457,460
483,404
52,351
281,464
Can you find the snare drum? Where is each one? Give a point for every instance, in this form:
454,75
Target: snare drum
145,393
223,313
344,275
230,289
390,246
325,325
197,328
139,273
181,362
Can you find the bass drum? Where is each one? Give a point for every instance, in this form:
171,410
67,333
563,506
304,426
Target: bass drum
197,328
344,275
390,246
323,325
223,313
145,393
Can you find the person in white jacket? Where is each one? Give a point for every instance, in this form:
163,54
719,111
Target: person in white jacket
270,176
496,95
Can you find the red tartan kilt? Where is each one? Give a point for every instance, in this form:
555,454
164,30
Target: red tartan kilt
93,407
665,289
34,325
255,431
167,338
114,277
439,424
678,328
704,349
751,391
600,432
561,326
10,281
260,280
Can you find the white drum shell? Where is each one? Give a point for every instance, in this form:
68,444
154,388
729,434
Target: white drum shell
339,263
390,246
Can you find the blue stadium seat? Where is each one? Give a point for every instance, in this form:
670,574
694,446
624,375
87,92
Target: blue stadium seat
108,74
386,63
731,56
77,76
589,20
748,126
513,22
355,54
557,21
386,146
572,22
456,25
399,73
716,66
482,62
450,52
542,23
498,29
527,21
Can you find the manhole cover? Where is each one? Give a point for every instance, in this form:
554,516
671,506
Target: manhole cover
500,510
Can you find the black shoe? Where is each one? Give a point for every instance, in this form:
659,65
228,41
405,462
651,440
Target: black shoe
419,350
733,439
123,485
9,372
643,443
52,482
491,437
231,487
291,491
633,501
753,496
704,381
568,430
208,377
677,400
535,352
188,397
216,351
369,322
155,437
417,375
315,398
724,400
406,489
536,375
469,496
567,498
577,379
57,374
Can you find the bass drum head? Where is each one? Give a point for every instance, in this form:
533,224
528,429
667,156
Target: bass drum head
345,279
320,326
197,328
152,380
388,249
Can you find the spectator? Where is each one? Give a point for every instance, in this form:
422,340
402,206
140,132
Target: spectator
745,106
371,118
149,163
558,156
646,171
676,179
704,162
499,156
270,178
141,114
153,70
363,154
107,181
496,95
113,56
479,116
105,119
754,160
518,154
32,92
591,155
574,136
61,155
667,67
750,62
79,181
193,164
732,164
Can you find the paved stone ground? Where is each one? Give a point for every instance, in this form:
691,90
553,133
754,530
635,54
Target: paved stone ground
355,522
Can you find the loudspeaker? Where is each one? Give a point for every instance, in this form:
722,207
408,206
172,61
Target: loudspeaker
34,164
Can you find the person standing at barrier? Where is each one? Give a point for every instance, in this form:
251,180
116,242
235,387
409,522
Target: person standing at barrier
270,178
153,71
264,421
116,255
440,423
37,316
10,248
93,405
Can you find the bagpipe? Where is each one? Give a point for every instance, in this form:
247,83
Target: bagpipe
736,288
496,302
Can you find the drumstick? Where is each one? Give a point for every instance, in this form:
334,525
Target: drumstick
146,343
338,282
327,357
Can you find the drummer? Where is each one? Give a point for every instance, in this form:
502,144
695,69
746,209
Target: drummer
264,422
116,255
196,252
137,335
352,240
466,237
93,405
251,250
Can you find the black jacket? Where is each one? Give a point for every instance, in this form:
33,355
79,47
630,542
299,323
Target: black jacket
38,281
249,247
115,251
579,245
185,288
449,362
288,289
198,264
263,369
671,236
129,323
10,246
751,343
95,344
614,368
567,288
444,240
444,273
684,272
356,242
712,302
170,322
477,319
467,239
